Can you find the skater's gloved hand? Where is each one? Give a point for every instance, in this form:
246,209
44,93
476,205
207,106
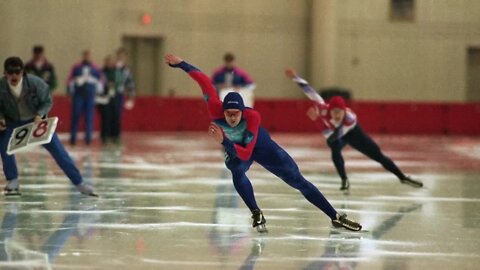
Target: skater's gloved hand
215,132
3,124
228,158
172,60
290,73
313,113
129,104
335,136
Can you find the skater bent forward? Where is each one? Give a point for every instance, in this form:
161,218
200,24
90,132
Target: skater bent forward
238,129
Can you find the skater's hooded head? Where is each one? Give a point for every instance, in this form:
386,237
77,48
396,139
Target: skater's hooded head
336,107
233,100
232,108
337,102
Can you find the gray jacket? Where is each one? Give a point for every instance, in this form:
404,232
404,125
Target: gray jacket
36,95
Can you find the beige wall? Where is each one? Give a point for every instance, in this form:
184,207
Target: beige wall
423,60
266,36
346,42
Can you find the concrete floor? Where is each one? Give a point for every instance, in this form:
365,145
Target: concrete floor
167,202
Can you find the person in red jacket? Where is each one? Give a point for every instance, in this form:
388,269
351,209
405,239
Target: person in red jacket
339,125
238,129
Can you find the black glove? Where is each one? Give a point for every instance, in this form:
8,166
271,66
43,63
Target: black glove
335,135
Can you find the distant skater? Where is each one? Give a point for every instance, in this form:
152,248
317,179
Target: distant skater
340,127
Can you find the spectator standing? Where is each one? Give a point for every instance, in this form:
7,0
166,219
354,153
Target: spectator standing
124,94
230,78
84,82
41,67
104,100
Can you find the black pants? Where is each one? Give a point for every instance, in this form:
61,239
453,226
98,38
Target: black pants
360,141
110,114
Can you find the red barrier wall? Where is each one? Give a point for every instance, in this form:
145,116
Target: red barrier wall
176,114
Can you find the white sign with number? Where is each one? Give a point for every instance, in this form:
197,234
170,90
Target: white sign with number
31,134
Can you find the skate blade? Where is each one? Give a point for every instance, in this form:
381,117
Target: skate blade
356,229
93,194
344,230
262,228
12,193
415,185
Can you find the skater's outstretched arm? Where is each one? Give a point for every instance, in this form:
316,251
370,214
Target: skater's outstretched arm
307,89
210,95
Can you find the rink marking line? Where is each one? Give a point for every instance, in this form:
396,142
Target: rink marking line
169,225
154,166
210,209
179,167
151,194
472,151
21,203
317,259
176,208
363,164
425,254
156,261
71,211
26,263
374,212
355,238
171,208
377,253
427,199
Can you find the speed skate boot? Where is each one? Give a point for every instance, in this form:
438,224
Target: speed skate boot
343,222
12,188
259,221
411,182
345,185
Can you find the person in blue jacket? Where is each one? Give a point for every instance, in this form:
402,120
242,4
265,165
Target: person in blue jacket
83,84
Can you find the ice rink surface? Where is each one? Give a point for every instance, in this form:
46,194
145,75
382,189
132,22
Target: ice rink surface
167,202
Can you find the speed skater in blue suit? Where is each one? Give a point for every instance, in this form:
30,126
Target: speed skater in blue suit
238,129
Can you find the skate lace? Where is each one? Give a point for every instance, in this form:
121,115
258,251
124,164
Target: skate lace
348,222
257,217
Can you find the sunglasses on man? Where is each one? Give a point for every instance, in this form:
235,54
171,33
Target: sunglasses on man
14,71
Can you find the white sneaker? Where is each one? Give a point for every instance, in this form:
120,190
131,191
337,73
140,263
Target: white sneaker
12,188
86,190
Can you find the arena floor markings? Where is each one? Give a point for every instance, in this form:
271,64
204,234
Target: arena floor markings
167,202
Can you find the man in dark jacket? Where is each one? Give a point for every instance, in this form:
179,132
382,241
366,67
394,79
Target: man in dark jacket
25,98
41,67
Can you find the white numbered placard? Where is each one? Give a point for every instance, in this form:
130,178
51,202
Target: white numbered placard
31,134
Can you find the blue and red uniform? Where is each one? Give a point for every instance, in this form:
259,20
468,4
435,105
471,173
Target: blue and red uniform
348,131
249,141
